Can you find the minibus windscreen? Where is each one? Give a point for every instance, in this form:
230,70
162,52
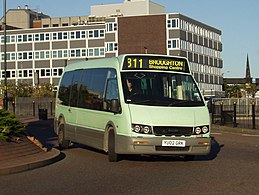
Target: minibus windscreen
161,89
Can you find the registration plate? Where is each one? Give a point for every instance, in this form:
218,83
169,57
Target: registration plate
174,143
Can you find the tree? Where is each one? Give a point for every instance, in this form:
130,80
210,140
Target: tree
250,89
24,89
43,90
233,91
9,125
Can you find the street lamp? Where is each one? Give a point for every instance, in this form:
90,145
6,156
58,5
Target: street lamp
5,64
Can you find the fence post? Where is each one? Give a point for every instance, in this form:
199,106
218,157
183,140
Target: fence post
51,106
253,114
235,115
13,104
212,111
221,113
33,108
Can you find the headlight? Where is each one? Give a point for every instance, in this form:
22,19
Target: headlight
144,129
137,128
197,130
205,129
201,130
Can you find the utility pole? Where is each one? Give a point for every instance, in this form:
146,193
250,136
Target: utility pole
5,64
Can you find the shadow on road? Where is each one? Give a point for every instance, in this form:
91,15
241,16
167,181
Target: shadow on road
43,130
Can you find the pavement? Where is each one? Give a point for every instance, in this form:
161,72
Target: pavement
26,152
37,148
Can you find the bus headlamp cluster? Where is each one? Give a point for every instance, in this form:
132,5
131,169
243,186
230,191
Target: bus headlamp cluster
201,130
144,129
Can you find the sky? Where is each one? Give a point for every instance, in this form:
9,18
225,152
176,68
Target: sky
238,21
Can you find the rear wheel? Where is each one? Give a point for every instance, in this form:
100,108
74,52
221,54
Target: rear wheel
112,155
62,142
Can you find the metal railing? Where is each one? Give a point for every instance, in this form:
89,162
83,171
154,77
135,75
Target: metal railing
240,113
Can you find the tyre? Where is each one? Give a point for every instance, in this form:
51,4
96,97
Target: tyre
62,142
112,155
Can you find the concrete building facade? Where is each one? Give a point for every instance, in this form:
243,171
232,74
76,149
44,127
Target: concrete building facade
38,53
128,8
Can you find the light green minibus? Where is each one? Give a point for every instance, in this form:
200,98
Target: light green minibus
133,104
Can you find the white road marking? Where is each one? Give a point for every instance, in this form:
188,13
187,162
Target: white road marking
216,133
249,135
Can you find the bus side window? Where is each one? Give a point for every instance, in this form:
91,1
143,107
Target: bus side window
75,88
64,89
111,93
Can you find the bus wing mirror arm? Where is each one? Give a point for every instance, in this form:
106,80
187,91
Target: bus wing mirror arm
115,106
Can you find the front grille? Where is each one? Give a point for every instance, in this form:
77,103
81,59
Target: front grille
173,131
169,148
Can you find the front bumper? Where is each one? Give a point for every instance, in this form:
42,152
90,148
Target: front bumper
153,146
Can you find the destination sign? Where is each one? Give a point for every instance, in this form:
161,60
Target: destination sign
162,63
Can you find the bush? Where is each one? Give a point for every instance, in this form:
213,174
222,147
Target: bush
9,125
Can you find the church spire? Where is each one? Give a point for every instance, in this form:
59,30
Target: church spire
248,74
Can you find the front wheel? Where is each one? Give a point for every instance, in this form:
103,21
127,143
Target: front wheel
62,142
112,155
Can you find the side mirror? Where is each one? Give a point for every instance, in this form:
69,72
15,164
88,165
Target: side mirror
115,106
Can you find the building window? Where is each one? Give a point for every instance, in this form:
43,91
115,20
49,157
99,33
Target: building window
60,54
57,71
47,36
19,38
78,53
95,33
173,44
24,38
72,53
78,34
54,36
72,35
65,35
42,37
37,55
90,52
30,37
60,36
42,55
83,34
36,37
111,47
84,52
42,72
54,54
173,23
64,53
47,54
111,27
13,74
47,72
30,55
